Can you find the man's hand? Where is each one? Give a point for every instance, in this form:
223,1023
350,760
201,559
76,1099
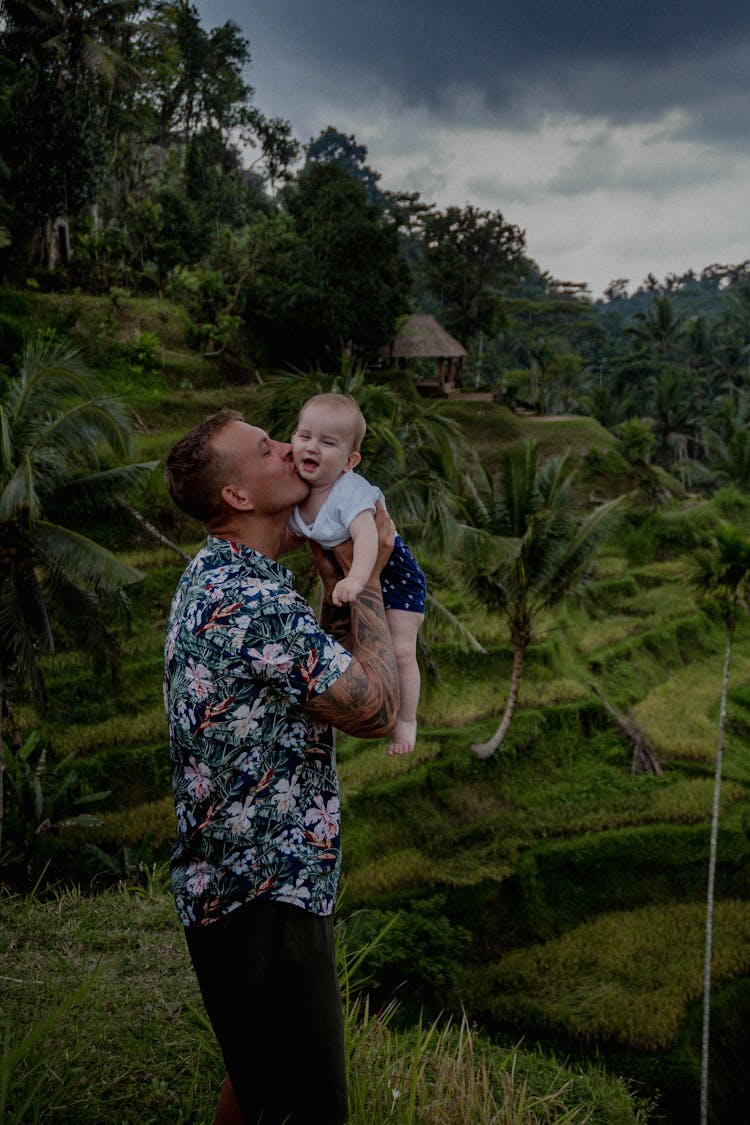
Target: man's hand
329,572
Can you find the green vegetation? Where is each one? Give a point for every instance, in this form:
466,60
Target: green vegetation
553,892
624,977
113,969
483,865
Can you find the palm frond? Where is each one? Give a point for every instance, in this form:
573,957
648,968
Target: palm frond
75,433
20,494
100,491
24,632
87,563
437,613
6,443
566,568
86,615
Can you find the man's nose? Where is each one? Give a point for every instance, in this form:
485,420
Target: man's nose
284,449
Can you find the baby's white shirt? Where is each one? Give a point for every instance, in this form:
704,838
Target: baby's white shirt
350,495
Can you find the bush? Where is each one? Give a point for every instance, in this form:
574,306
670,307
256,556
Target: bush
421,953
607,463
638,439
559,883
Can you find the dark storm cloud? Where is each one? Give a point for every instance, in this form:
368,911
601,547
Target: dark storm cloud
626,61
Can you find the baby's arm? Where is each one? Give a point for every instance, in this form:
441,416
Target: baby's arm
365,538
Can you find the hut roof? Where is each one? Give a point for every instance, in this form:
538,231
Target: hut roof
422,337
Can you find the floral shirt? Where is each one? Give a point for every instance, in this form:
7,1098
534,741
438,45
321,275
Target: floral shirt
254,776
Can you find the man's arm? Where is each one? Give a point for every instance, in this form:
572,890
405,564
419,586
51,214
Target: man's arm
364,700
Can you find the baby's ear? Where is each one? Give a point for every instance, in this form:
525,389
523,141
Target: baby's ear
353,460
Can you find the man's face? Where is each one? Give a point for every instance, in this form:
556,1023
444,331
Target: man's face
259,468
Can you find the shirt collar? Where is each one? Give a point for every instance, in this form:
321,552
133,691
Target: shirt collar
230,550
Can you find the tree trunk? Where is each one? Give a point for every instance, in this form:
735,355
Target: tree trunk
153,531
643,753
712,877
487,749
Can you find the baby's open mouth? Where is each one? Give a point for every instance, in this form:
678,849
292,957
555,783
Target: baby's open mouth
309,465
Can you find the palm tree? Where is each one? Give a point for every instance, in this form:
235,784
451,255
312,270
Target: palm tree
721,576
541,555
657,329
58,440
727,441
77,38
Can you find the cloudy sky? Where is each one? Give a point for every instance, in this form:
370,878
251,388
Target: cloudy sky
616,134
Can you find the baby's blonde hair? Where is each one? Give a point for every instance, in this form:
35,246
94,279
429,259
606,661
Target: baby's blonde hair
350,405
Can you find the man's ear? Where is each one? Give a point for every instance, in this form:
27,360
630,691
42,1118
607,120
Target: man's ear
353,460
236,498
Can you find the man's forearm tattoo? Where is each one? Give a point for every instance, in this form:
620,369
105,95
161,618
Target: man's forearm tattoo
337,620
364,701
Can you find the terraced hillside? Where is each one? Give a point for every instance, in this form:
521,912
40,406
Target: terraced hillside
552,892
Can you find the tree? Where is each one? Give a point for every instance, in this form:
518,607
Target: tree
542,554
347,283
198,74
470,256
60,56
657,329
74,38
57,441
198,85
333,147
721,577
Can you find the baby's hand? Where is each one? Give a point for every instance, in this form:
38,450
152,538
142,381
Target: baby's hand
346,591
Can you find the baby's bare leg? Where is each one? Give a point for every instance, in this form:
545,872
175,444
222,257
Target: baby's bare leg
404,626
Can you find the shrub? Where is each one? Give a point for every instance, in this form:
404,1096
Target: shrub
421,952
626,977
558,883
607,463
637,438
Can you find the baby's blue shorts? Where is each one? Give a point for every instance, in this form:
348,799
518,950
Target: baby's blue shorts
404,584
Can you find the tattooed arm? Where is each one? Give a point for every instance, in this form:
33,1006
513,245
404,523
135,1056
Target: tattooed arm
364,700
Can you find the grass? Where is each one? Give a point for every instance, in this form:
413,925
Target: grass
493,427
680,715
158,1063
104,1022
627,978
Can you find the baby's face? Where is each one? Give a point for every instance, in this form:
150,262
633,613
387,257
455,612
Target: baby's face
322,444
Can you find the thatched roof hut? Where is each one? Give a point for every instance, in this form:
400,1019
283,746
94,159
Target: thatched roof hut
421,337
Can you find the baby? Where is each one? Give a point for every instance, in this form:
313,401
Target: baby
341,504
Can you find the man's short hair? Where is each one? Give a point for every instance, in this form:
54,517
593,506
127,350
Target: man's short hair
194,471
347,404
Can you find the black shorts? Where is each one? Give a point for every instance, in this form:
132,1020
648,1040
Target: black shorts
267,974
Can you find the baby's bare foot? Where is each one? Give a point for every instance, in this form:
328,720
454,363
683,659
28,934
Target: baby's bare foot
403,738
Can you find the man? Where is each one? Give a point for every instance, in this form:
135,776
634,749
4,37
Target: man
252,686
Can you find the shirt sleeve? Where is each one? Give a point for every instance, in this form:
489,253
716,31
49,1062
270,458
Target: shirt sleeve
353,495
